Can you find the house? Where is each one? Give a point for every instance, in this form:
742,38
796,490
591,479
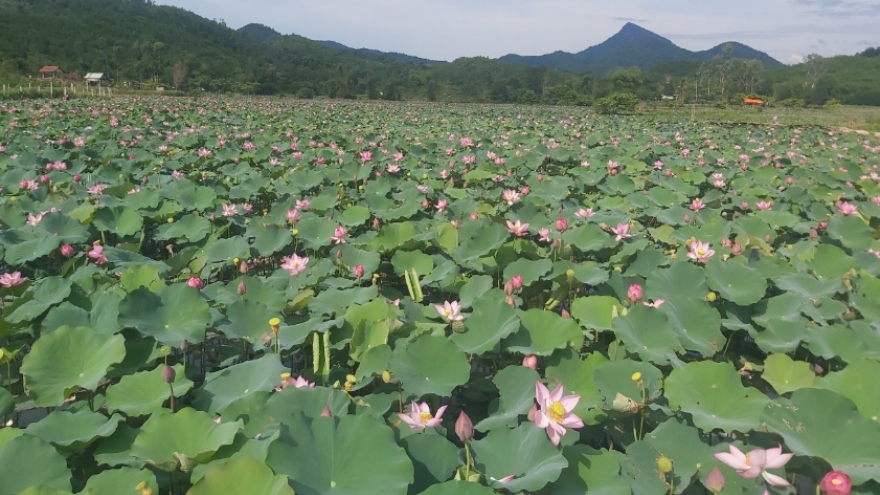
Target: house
51,72
753,102
95,77
666,97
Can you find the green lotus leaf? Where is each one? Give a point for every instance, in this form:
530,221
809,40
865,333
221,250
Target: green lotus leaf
247,320
64,228
144,392
588,272
434,459
807,420
525,452
245,446
639,469
189,195
786,375
138,276
122,258
636,380
19,459
7,402
348,455
808,286
309,401
530,270
223,387
684,280
866,295
589,471
370,260
735,281
73,431
225,250
542,332
48,292
430,365
268,239
394,235
851,231
458,488
588,238
647,332
577,375
44,490
830,261
176,314
596,312
683,445
492,320
713,395
122,480
335,301
114,450
315,232
516,394
23,249
474,289
69,359
403,261
192,228
241,477
478,239
182,440
854,343
858,383
780,335
120,220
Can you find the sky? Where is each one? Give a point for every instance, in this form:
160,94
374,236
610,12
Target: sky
787,30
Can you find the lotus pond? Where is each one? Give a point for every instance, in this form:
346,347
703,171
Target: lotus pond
275,296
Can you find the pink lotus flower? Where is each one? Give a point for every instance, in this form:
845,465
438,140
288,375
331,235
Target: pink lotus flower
464,427
504,480
756,463
561,224
764,205
441,205
836,483
582,213
634,293
700,251
293,215
298,382
510,196
339,234
450,311
195,283
96,189
656,304
67,251
303,204
621,232
358,271
229,210
294,264
846,208
9,280
420,416
517,228
393,169
514,284
697,205
544,234
97,254
530,361
554,411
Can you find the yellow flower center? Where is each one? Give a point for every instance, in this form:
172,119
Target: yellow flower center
636,376
701,252
448,312
556,412
836,481
426,416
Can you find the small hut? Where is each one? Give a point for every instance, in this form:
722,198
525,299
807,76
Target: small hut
94,78
49,72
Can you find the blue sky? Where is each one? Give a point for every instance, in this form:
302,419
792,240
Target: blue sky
445,30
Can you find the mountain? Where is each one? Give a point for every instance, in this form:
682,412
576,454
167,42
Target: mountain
633,46
399,57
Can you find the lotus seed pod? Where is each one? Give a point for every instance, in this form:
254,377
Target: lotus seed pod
386,376
664,464
165,350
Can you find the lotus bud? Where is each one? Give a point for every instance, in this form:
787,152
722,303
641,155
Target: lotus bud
530,361
565,314
510,302
325,413
67,251
44,179
736,249
358,271
715,480
635,293
243,267
823,225
184,346
376,223
836,483
242,288
168,374
814,233
77,177
561,224
195,283
464,427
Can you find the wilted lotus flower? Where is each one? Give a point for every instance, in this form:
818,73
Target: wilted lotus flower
464,428
298,382
634,293
97,253
514,284
700,251
756,462
195,283
450,311
420,416
836,483
554,411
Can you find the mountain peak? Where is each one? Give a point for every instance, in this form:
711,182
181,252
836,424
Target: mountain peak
633,32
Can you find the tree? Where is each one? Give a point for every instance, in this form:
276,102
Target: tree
178,74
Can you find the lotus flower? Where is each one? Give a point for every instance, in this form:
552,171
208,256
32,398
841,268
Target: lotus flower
517,228
420,416
764,205
582,213
9,280
294,264
621,232
634,293
836,483
510,196
298,382
450,311
846,208
700,251
756,463
561,224
554,411
544,234
67,251
697,205
339,234
293,215
530,361
195,283
97,254
464,427
229,210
